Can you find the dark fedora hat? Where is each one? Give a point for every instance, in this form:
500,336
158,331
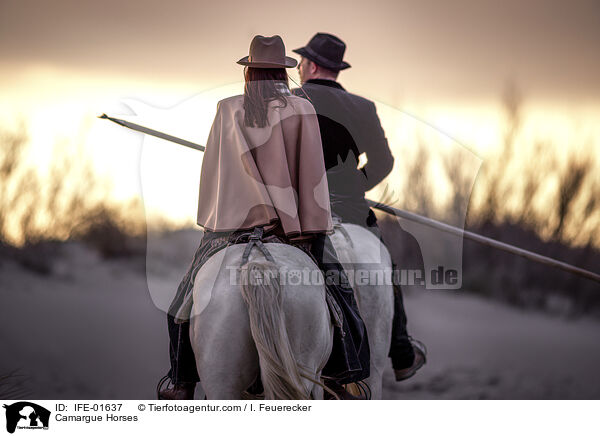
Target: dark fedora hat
325,50
267,52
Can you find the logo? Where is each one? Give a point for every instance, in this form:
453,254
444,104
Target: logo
26,415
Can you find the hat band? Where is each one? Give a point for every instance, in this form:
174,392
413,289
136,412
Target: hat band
266,61
320,59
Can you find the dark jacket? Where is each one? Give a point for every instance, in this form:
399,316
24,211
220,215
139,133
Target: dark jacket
349,126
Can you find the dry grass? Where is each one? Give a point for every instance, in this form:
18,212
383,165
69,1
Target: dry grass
531,185
68,201
526,194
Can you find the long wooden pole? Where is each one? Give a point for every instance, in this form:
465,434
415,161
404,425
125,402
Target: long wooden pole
484,240
153,132
400,213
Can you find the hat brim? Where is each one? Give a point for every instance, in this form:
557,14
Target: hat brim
319,60
289,63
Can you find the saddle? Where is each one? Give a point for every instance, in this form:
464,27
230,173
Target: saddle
212,243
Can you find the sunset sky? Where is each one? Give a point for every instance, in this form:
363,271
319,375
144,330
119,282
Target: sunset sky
446,63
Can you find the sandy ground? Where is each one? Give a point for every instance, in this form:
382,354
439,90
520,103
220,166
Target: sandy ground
91,331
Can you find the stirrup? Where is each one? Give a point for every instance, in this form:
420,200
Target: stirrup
160,384
364,388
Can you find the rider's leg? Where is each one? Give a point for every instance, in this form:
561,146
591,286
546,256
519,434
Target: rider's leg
349,360
401,349
183,373
406,359
183,361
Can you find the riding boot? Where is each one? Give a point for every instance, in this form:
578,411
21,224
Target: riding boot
179,391
339,390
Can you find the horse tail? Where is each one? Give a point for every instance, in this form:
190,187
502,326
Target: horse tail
280,373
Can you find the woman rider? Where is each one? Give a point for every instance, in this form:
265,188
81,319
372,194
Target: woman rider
263,170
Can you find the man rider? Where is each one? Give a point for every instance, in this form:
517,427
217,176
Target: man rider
349,127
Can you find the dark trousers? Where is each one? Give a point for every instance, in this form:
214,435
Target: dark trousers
350,357
401,349
183,361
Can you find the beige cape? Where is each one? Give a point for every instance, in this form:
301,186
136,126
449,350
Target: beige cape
258,176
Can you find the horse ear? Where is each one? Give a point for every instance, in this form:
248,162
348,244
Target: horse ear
5,406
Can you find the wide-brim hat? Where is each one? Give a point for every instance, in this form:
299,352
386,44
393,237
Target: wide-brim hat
325,50
267,52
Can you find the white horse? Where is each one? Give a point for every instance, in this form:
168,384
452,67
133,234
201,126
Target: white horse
238,328
283,330
362,254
